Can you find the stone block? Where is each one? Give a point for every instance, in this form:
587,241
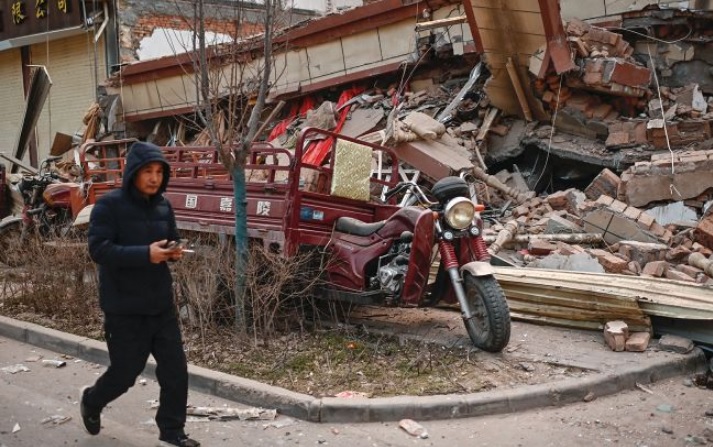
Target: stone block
655,268
615,335
638,341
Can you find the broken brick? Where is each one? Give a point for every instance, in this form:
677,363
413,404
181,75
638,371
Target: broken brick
617,139
617,206
615,335
638,341
643,252
626,73
632,213
605,200
611,263
645,221
703,234
655,268
678,254
679,276
540,248
605,183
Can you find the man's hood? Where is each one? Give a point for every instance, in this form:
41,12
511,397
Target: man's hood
140,154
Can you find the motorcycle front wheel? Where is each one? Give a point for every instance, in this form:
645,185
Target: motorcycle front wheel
12,245
489,326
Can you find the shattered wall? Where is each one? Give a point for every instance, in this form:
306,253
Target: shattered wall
593,9
375,41
168,23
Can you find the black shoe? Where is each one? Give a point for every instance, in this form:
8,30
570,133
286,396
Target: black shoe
180,440
91,418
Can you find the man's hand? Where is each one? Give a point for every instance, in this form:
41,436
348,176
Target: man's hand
158,252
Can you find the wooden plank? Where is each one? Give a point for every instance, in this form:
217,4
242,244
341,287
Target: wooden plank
521,22
655,296
523,43
513,5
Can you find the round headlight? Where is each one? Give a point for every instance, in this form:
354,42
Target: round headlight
459,213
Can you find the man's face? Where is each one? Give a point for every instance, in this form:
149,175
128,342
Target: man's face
149,178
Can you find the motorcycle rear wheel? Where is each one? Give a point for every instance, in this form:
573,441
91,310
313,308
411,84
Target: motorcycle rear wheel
489,327
12,245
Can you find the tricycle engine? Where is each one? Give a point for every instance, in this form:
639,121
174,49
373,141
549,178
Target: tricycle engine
393,266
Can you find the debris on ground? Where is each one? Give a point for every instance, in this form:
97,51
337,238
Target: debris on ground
14,369
413,428
55,420
227,413
54,363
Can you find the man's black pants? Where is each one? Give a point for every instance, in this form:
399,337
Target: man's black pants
130,339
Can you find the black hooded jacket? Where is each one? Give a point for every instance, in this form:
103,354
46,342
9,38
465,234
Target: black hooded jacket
122,226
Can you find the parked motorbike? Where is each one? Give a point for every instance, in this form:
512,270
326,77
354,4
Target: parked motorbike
47,212
389,262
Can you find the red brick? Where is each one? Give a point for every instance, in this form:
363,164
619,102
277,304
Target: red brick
626,73
558,200
618,206
679,276
655,268
521,210
615,335
632,213
611,263
638,341
703,234
567,249
605,183
605,200
645,221
678,254
634,267
540,248
689,270
617,139
657,229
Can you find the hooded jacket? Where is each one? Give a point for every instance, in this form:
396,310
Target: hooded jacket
122,225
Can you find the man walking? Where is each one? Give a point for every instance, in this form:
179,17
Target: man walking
131,235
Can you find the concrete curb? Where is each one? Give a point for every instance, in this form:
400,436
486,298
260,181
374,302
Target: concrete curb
330,409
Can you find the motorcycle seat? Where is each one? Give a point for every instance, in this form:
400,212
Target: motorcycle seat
356,227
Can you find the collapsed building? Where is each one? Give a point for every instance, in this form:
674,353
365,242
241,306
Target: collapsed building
590,137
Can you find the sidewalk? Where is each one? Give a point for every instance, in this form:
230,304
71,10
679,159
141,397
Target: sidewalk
607,372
